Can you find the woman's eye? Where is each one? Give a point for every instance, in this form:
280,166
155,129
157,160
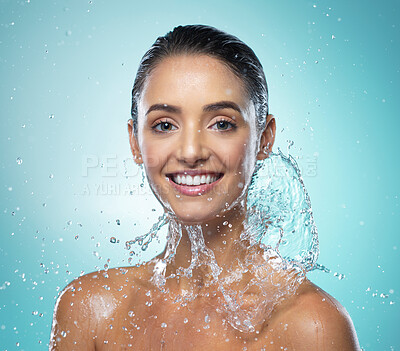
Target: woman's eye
223,125
164,127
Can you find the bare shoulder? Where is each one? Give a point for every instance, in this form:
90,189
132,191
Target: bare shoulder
313,320
87,301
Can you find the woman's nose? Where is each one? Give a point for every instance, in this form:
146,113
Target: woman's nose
191,149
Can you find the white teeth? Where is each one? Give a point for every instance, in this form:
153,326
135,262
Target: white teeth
196,180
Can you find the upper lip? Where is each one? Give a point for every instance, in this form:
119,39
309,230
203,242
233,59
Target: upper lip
193,172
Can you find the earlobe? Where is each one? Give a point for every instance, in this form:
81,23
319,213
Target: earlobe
137,155
267,138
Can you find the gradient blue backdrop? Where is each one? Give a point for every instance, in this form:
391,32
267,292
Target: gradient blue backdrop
66,71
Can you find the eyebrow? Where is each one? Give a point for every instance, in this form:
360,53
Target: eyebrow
163,107
220,105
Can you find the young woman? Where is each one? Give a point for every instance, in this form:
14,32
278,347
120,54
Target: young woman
199,125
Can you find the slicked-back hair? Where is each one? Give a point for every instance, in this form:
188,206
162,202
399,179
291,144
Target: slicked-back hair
207,40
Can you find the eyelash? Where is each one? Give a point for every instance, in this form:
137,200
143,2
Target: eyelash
232,125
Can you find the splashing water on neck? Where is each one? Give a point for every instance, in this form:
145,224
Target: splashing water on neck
279,242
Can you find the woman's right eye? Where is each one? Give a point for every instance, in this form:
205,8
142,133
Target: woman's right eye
162,127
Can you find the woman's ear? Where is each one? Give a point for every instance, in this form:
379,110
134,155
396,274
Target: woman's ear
137,155
267,138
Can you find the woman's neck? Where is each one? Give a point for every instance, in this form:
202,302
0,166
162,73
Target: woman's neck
201,248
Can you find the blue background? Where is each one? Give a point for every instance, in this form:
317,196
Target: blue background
66,71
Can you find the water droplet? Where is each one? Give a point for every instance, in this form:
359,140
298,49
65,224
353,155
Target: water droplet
69,222
185,320
51,176
143,177
113,240
51,116
163,325
118,222
19,160
131,314
340,276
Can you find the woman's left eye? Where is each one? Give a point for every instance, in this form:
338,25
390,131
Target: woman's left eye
223,125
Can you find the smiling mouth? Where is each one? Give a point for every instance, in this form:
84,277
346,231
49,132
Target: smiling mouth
183,178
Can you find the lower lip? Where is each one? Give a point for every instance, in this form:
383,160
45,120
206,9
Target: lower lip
194,190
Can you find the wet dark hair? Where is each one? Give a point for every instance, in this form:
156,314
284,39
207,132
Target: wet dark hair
206,40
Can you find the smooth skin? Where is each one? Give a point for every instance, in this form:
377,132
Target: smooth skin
194,114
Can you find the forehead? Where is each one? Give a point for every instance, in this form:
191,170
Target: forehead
193,80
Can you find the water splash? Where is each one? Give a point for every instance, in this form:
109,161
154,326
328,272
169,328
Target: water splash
249,302
279,211
173,240
280,242
144,240
201,254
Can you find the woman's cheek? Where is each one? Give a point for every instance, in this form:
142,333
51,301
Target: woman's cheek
153,155
237,155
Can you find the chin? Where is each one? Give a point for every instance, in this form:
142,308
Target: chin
194,218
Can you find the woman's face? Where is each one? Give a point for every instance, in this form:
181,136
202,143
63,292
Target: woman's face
196,137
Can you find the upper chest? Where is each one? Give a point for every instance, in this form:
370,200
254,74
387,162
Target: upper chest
157,323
